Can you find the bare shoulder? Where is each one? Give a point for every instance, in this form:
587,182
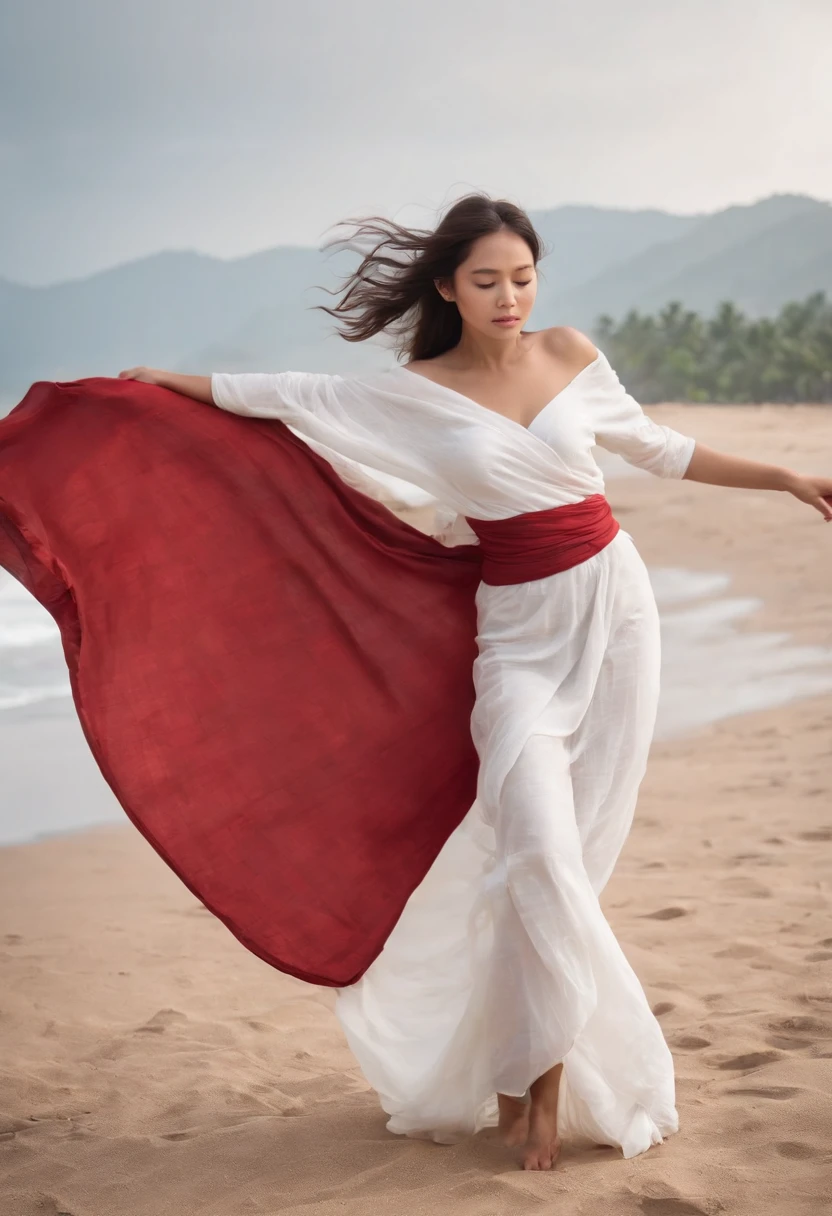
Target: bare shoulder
427,367
418,364
569,345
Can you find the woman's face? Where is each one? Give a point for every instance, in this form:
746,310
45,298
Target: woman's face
497,280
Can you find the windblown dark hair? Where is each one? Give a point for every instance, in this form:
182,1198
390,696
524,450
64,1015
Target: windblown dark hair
397,294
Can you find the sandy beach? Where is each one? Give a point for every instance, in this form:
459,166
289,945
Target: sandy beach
152,1067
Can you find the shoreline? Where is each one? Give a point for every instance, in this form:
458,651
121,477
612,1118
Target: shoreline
738,626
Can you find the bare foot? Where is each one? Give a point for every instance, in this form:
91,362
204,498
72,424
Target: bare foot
513,1127
543,1145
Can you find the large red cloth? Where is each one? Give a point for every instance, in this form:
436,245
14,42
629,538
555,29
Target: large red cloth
273,672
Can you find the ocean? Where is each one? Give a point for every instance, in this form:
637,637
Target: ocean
714,664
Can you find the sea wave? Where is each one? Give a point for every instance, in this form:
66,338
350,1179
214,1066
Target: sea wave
23,621
16,698
31,658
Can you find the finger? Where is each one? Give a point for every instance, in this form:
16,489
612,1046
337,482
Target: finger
823,506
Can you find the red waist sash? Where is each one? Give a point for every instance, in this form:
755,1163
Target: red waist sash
539,543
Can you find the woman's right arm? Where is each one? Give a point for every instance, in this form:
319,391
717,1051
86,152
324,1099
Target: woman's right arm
355,425
289,396
298,398
198,387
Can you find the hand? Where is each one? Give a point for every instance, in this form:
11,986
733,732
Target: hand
816,491
148,375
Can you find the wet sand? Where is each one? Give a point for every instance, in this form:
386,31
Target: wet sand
152,1066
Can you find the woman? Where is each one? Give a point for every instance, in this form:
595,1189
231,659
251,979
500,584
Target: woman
501,994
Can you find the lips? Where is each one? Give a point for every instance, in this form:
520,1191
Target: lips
505,320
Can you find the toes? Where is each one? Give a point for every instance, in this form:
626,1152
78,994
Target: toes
537,1163
542,1157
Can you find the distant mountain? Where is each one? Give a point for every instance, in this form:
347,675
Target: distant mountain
151,311
758,256
586,241
188,311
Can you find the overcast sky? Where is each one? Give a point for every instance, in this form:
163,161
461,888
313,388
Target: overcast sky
234,125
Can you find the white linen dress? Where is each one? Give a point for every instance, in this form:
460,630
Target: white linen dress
503,963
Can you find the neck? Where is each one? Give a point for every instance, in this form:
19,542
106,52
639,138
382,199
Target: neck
477,352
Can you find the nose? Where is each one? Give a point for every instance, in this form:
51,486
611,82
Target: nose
506,295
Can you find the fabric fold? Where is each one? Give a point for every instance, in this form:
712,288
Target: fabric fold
272,671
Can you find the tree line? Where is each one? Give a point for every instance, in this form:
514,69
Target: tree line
678,355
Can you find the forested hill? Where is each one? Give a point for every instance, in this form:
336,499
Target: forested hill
678,355
188,311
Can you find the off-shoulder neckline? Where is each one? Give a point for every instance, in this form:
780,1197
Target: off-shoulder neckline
495,413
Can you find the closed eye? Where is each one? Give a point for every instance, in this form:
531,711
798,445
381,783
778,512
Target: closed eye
486,286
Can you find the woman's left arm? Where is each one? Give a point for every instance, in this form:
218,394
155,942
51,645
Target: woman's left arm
719,469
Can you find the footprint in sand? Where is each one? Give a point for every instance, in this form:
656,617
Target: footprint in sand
802,1024
666,914
740,950
753,1059
818,956
787,1042
816,834
690,1042
671,1207
822,999
160,1022
795,1151
10,1126
12,939
799,1033
745,887
50,1206
662,1007
777,1093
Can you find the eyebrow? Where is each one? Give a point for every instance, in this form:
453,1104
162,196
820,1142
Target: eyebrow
485,270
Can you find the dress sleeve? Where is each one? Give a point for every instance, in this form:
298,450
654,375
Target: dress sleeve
355,428
288,396
621,426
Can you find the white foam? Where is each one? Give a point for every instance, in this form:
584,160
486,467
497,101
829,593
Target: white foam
23,621
32,665
26,633
715,664
16,698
